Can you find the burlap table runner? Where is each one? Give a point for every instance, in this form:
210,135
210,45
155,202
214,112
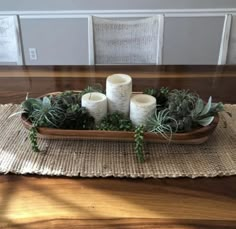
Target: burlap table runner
90,158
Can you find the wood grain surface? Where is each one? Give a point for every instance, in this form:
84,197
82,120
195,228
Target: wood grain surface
206,80
58,202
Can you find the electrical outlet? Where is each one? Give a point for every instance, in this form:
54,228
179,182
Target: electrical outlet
33,54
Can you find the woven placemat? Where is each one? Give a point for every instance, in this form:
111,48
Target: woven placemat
90,158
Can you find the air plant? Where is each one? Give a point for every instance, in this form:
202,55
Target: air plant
44,113
162,123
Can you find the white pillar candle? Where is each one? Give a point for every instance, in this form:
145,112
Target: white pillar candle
118,91
142,107
96,104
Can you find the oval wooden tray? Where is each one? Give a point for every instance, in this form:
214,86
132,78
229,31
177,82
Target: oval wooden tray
196,136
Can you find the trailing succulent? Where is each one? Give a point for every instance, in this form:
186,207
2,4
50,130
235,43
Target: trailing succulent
139,142
117,122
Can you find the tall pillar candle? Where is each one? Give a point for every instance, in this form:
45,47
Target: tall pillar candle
118,92
96,104
142,107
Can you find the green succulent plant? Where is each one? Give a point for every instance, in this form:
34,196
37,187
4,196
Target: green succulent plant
180,105
203,114
67,99
76,117
181,102
161,96
115,121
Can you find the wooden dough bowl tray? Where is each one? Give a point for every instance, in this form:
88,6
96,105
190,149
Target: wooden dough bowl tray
196,136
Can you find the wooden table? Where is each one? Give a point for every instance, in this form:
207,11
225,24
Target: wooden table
59,202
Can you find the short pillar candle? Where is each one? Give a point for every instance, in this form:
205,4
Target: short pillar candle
118,92
142,107
96,104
